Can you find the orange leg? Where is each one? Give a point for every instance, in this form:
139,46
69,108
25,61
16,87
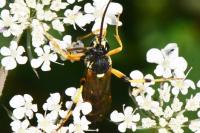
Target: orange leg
122,76
66,55
119,49
69,113
91,34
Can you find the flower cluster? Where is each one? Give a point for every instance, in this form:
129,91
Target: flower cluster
25,112
161,107
37,17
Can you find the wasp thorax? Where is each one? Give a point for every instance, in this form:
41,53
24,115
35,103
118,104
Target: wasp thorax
97,60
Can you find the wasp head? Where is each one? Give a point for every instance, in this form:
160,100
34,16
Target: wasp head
96,58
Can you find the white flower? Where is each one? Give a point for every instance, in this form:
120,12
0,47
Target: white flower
19,127
96,11
176,123
37,33
168,112
46,123
66,42
195,126
53,104
23,106
181,85
148,123
163,130
198,114
33,130
57,5
80,125
75,17
141,88
13,56
8,23
2,3
176,105
31,3
167,60
193,104
84,107
128,119
44,59
58,25
165,92
20,10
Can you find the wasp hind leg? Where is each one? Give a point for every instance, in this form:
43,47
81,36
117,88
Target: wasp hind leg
122,76
70,111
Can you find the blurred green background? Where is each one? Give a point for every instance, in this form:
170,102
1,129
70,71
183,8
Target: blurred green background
146,24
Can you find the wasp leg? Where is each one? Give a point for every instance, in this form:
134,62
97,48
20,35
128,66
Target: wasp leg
70,111
119,49
66,55
91,34
122,76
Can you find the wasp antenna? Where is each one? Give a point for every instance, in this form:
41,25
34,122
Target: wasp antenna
102,21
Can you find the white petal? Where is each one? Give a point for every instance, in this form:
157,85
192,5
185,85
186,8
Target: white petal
128,111
34,107
184,91
115,8
171,50
13,45
28,98
20,50
2,3
86,108
198,114
133,127
5,14
136,117
25,124
88,8
154,56
46,66
136,75
198,84
21,59
29,113
122,127
35,63
70,1
47,49
17,101
190,83
175,91
53,57
16,125
9,63
116,117
19,112
55,98
39,51
71,91
5,51
179,63
68,104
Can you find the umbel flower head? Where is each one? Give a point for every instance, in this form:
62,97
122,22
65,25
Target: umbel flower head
38,17
162,107
54,113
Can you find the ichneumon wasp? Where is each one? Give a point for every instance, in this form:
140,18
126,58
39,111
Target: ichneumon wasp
95,85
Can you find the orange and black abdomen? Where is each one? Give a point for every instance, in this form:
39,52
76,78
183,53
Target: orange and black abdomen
97,91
